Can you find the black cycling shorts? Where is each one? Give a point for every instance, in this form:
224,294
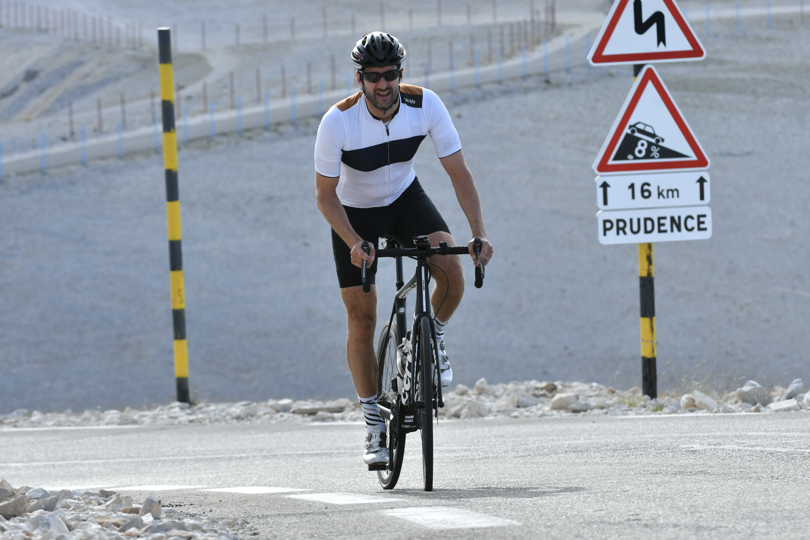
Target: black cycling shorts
412,214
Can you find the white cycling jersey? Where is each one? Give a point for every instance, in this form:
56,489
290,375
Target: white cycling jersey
375,161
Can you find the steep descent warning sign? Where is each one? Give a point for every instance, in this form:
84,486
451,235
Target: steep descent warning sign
645,31
650,134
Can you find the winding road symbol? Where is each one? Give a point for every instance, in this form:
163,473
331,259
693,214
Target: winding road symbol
656,19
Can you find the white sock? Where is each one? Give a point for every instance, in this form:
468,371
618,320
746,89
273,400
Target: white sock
440,326
374,421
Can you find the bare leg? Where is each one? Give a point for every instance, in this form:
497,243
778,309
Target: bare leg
455,288
361,312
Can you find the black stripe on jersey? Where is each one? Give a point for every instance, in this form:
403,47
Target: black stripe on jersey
411,100
373,157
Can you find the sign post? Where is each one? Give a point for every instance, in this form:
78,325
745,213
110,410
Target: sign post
652,183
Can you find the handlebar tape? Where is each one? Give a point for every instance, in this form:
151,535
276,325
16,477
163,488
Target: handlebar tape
366,286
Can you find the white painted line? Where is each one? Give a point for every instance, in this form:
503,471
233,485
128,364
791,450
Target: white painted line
158,487
337,423
342,498
254,490
442,517
69,428
749,448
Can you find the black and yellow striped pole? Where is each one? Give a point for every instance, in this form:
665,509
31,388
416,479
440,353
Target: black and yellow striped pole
173,214
646,284
646,287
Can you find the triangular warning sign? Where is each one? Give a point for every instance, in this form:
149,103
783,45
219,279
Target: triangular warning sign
645,31
650,133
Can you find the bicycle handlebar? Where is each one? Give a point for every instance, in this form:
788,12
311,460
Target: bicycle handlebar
443,249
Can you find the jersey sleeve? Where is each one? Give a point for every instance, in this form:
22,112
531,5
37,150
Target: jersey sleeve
442,131
329,144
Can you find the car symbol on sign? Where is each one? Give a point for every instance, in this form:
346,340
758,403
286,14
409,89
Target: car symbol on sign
646,131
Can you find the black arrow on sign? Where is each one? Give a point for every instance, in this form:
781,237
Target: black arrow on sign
604,185
656,19
702,181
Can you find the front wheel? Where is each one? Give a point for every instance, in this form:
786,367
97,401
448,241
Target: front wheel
426,397
386,372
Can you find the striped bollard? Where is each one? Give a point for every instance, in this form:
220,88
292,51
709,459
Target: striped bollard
84,146
173,215
477,72
267,109
42,162
239,114
646,275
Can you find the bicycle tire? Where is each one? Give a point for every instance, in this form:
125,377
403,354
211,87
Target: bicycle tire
387,370
426,396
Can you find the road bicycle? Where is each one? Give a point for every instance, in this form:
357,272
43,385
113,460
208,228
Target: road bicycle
409,393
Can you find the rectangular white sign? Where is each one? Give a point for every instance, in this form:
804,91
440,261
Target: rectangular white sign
652,190
654,225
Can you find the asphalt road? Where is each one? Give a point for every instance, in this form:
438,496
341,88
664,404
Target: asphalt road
725,476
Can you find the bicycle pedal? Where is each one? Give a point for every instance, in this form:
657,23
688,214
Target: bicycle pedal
377,466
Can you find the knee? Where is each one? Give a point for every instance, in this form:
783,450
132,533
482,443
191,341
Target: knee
362,322
455,273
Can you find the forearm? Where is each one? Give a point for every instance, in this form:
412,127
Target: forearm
470,202
335,215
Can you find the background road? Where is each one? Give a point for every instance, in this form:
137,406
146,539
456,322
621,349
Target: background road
723,476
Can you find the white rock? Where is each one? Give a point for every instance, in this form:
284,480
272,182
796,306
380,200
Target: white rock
134,523
754,393
461,390
687,402
795,388
807,398
784,406
579,406
37,493
153,506
14,507
482,387
704,402
563,401
280,405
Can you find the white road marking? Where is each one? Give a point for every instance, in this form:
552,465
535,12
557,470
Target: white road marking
737,447
254,490
442,517
157,487
342,498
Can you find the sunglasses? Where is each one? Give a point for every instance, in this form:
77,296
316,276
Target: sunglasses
389,76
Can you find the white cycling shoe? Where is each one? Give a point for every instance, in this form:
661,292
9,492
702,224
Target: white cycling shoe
445,370
375,454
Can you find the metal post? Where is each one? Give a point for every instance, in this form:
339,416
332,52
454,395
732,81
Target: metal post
477,79
568,54
266,109
523,61
292,103
211,106
500,67
120,139
239,114
545,57
84,146
173,215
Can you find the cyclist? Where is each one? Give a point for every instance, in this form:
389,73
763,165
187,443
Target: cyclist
366,188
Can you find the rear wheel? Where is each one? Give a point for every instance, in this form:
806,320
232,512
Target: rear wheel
426,397
387,397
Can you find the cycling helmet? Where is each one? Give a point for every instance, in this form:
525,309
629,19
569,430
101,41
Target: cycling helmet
377,49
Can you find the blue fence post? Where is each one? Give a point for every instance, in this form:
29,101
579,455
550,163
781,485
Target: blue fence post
500,66
739,22
708,21
320,99
427,79
42,162
1,161
769,13
239,114
477,73
523,61
185,126
155,137
267,109
568,54
545,57
120,139
211,106
292,103
452,73
84,146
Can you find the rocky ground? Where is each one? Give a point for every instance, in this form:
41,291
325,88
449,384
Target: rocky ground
36,513
512,400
